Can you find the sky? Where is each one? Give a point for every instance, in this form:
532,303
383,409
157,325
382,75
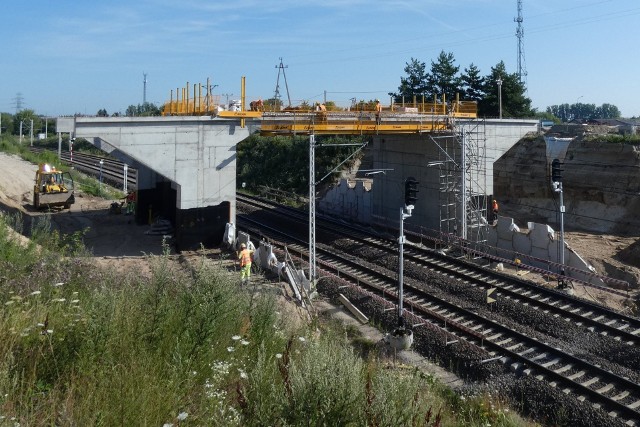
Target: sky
71,56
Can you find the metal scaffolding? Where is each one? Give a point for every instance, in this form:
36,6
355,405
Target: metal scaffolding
462,180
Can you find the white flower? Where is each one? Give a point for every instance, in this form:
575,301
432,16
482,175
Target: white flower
302,339
182,416
167,425
35,293
231,349
57,285
75,301
243,375
235,337
244,342
9,302
75,293
278,356
49,331
41,324
59,300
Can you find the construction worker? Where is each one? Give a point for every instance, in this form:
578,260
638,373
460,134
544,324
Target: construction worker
322,111
131,203
52,185
378,111
244,257
494,209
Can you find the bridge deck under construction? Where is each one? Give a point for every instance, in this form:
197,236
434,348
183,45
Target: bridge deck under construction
348,122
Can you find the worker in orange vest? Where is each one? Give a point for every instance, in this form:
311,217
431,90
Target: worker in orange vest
494,209
244,257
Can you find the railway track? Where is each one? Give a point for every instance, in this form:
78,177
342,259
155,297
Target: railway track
617,395
112,170
592,316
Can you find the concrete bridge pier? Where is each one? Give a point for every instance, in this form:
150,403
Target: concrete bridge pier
186,168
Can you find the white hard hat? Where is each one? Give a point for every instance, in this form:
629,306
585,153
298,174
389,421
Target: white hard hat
242,245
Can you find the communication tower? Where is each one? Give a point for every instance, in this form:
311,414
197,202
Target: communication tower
144,90
522,72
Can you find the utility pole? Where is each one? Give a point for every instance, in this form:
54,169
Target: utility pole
227,95
144,90
499,81
281,68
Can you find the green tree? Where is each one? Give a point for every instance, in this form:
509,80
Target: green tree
6,123
102,113
142,110
579,111
608,111
414,84
514,102
444,79
472,84
25,117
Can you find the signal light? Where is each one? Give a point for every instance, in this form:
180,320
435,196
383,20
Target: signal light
410,191
556,172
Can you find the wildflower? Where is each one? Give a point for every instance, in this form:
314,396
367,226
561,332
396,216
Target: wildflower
231,349
57,285
36,293
182,416
235,337
41,324
244,342
75,301
9,302
167,425
243,374
59,300
278,356
302,339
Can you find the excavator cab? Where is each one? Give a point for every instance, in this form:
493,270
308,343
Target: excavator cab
52,188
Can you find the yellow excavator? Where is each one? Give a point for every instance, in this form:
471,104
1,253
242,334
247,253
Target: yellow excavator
52,188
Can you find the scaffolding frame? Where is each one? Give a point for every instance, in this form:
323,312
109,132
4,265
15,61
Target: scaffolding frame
462,173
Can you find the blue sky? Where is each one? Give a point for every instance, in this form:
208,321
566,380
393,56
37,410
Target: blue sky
72,56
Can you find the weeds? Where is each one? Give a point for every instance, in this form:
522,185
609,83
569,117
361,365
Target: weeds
87,347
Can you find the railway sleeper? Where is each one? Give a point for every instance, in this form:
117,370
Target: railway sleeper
591,381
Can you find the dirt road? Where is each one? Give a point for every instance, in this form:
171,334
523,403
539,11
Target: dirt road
107,234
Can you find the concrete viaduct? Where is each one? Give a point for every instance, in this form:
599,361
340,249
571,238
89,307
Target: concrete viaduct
187,166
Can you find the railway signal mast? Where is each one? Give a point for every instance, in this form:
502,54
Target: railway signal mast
556,180
402,338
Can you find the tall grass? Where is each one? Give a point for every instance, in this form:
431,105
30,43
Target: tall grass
90,347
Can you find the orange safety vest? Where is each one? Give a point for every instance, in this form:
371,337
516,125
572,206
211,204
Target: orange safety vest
245,257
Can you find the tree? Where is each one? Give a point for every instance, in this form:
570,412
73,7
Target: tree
143,110
514,102
26,116
608,111
444,79
567,113
414,85
102,113
472,84
6,123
